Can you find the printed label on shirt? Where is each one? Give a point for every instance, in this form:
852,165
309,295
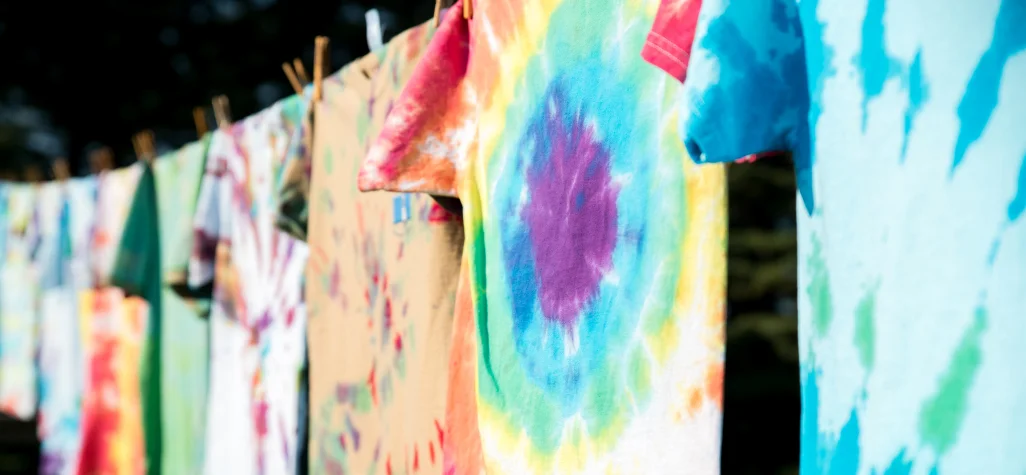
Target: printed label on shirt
401,208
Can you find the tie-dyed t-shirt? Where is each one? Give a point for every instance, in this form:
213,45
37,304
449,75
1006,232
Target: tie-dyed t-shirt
112,332
66,212
19,297
258,319
906,123
113,329
595,248
381,288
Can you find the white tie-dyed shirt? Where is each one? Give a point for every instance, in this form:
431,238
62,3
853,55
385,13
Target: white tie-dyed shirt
258,321
906,119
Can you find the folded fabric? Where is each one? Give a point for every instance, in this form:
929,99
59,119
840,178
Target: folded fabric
411,154
668,45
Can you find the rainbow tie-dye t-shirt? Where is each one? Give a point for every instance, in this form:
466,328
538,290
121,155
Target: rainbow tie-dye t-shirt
113,332
594,246
906,123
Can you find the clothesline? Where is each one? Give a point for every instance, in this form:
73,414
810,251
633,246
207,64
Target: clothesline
102,159
143,143
570,316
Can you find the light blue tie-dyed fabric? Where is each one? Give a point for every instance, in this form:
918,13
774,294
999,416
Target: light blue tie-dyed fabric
66,211
19,298
907,120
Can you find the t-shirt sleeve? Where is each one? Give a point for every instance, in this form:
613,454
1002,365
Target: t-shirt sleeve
668,45
137,264
428,131
206,224
746,92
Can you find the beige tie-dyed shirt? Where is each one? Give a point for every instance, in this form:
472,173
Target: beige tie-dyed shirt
381,288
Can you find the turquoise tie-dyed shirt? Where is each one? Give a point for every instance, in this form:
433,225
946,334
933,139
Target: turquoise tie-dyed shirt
907,123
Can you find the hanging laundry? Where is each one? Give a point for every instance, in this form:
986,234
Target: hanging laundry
381,287
154,254
66,210
19,297
595,247
117,187
258,319
113,330
82,195
905,123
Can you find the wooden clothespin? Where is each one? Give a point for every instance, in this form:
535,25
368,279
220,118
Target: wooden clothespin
293,80
101,159
222,113
144,146
468,11
33,174
199,116
438,13
321,64
300,71
60,169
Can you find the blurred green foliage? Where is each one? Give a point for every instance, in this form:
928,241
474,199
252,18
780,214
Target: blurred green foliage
761,394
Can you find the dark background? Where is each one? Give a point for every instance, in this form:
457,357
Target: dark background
79,75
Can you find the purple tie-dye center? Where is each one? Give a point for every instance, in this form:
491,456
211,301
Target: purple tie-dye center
571,214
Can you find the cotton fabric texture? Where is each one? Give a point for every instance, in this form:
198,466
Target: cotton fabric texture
594,247
905,122
258,318
381,287
668,45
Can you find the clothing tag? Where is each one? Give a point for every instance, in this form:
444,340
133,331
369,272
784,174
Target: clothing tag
374,40
401,208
